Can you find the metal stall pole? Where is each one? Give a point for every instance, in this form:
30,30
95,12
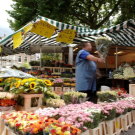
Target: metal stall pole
106,67
116,57
116,51
40,57
1,60
40,51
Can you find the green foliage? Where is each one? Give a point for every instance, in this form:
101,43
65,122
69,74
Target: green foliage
34,63
26,65
92,14
51,56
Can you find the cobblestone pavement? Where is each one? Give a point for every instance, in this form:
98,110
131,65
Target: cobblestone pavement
130,131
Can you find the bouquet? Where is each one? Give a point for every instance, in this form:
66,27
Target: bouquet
31,86
49,95
72,80
74,97
7,99
66,80
58,82
108,96
103,46
55,103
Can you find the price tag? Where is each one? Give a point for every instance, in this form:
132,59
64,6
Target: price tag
28,28
43,28
66,36
17,39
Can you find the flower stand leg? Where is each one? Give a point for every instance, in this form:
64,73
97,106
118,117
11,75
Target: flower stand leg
133,116
102,128
126,121
110,127
119,127
95,131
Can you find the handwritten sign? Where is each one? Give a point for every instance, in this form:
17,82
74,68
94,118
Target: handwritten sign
43,28
28,28
66,36
17,39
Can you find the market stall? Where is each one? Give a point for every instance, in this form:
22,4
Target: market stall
66,112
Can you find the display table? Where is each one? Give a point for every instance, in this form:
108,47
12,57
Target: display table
122,83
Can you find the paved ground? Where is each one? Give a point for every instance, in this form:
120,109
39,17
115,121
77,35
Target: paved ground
130,131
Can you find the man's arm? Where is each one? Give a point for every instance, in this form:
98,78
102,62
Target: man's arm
93,58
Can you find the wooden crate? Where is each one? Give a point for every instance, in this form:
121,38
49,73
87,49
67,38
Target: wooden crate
126,121
27,102
66,89
2,126
132,89
59,89
110,127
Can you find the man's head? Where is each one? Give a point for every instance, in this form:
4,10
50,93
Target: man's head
87,46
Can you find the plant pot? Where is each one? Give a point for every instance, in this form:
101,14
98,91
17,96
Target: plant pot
58,84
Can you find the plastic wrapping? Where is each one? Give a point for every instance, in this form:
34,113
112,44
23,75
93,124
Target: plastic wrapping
5,73
103,46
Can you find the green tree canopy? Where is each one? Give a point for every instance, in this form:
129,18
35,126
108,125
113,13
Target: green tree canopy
93,14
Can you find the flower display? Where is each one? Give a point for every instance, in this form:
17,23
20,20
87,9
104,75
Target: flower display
72,80
31,86
74,97
60,128
108,96
49,95
55,103
7,99
58,82
29,123
128,72
48,82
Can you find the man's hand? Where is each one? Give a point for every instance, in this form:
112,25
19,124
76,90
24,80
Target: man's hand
100,60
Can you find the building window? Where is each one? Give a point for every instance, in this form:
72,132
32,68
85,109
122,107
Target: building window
31,58
25,59
19,59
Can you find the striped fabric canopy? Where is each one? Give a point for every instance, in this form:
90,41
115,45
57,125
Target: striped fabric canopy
121,34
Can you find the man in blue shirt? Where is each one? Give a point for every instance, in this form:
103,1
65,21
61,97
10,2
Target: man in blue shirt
86,70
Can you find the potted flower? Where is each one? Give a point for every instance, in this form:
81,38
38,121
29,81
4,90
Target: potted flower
58,82
66,80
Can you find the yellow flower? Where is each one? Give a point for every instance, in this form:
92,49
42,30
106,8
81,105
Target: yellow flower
48,82
11,85
1,80
35,130
17,84
23,82
32,85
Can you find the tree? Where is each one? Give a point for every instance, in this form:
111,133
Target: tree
92,14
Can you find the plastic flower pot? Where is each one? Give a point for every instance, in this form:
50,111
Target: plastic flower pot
58,84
